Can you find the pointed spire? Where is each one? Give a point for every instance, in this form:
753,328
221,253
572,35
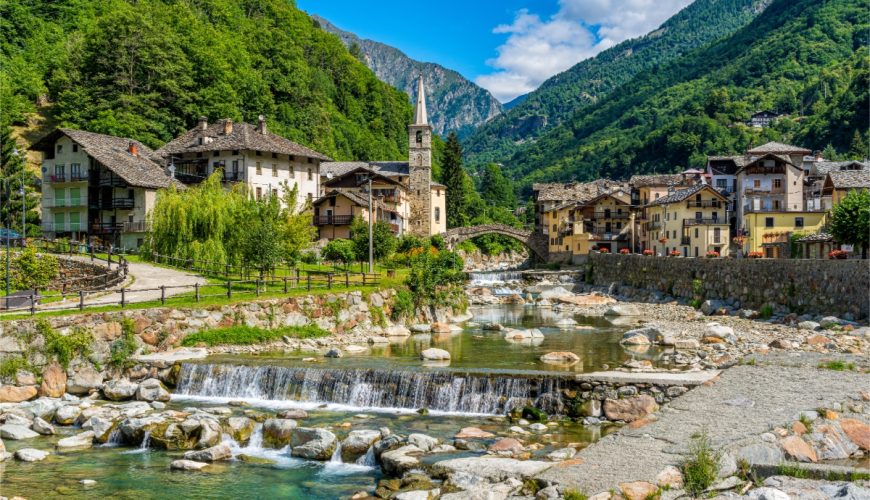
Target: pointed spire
420,117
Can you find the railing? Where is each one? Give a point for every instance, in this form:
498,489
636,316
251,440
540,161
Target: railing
190,177
750,209
63,227
63,202
110,181
71,177
653,225
703,204
112,204
603,235
610,215
338,220
763,190
704,222
118,227
233,176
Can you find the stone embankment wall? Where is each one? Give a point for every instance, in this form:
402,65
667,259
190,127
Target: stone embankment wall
78,275
478,261
826,287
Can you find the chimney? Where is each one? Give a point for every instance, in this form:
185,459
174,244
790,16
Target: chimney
818,155
261,124
228,126
133,148
203,123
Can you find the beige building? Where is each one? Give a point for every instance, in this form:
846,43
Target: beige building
646,189
267,163
98,188
691,221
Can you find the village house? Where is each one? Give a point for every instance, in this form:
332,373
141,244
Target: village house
548,196
266,163
97,187
762,119
691,222
602,223
647,188
410,201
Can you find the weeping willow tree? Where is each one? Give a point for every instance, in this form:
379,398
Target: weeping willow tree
216,228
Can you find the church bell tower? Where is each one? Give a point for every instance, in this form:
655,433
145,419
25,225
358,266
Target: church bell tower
420,167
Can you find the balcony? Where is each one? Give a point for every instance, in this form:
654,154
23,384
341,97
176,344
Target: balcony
653,225
232,176
705,222
333,220
704,204
750,209
64,203
610,215
71,177
685,240
763,190
604,235
110,181
62,227
112,204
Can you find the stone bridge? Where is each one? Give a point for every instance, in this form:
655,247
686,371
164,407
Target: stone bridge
535,242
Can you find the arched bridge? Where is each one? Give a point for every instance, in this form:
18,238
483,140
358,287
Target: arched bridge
535,242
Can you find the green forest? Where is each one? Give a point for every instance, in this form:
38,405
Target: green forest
804,58
148,69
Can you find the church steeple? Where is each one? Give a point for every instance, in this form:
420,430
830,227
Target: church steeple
420,117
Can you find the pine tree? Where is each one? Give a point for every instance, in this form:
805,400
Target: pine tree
496,189
858,149
453,176
14,172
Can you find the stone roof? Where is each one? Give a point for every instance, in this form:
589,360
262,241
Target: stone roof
638,181
823,167
138,170
386,168
573,191
817,237
850,179
243,136
681,194
733,164
353,196
778,148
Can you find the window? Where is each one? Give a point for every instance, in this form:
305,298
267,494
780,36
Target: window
437,214
696,251
721,184
768,222
798,222
696,232
235,151
274,170
776,204
274,155
419,137
657,195
756,183
258,153
131,194
275,193
555,227
259,193
310,174
259,169
291,158
216,153
75,148
777,183
60,148
699,216
717,235
310,160
75,170
59,172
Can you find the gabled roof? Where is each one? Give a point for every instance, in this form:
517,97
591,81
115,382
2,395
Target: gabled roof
573,191
356,198
138,170
386,168
655,180
243,136
683,194
823,167
725,165
765,156
848,179
331,178
778,148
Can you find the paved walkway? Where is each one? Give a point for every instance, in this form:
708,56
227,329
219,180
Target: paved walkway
743,403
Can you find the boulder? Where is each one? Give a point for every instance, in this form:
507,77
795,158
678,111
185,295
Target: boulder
119,389
630,338
435,354
312,443
798,449
67,414
517,334
670,478
357,444
830,321
294,413
16,432
709,307
566,322
809,325
15,394
187,465
402,459
622,310
686,344
589,408
152,390
723,332
25,377
555,293
629,409
767,493
397,331
440,328
53,381
81,441
102,428
209,433
473,433
421,328
638,490
422,441
42,427
560,357
30,455
278,432
493,469
84,381
333,352
562,454
857,431
240,428
213,454
506,446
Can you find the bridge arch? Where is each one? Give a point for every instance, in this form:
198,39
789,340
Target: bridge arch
535,242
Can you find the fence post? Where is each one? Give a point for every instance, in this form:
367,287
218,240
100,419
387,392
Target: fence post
297,279
227,271
32,304
81,300
309,282
163,295
347,279
196,291
229,289
364,279
257,287
285,284
123,297
329,281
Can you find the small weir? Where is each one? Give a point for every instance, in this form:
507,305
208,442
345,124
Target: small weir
501,282
439,390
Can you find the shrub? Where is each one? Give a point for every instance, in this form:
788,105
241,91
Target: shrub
701,466
403,306
603,250
712,254
31,270
675,253
124,347
755,255
310,258
10,366
766,311
572,494
247,335
434,277
65,348
339,250
648,252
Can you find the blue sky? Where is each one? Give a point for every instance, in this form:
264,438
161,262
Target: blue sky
506,46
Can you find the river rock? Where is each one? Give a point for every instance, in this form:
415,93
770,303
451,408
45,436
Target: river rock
84,381
357,443
723,332
630,338
152,390
402,459
30,455
119,389
312,443
560,357
421,328
506,446
710,307
67,414
638,490
829,321
435,354
209,433
493,469
102,428
16,419
15,394
42,427
516,334
278,432
767,493
333,352
213,454
294,413
422,441
562,454
397,331
187,465
589,408
670,478
240,428
809,325
857,431
473,433
630,409
798,449
622,310
417,494
25,377
16,432
53,381
566,322
81,441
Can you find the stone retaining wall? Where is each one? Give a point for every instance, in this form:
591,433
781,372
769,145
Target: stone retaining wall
78,275
826,287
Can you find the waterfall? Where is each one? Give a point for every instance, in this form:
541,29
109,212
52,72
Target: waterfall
439,391
143,446
116,438
336,455
501,282
369,459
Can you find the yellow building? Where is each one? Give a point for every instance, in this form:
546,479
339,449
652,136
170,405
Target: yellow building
767,232
603,222
690,221
648,188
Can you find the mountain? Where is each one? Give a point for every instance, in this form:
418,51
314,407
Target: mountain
591,80
803,58
148,69
516,101
453,102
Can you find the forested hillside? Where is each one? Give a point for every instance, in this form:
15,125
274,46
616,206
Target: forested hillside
592,80
147,69
805,58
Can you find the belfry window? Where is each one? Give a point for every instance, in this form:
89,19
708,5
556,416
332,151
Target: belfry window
419,137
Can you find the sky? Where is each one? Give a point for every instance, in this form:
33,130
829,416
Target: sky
508,47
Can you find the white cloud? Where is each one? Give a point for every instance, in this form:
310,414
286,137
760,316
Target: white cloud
537,49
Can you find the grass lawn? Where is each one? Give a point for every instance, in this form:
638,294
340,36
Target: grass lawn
247,335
